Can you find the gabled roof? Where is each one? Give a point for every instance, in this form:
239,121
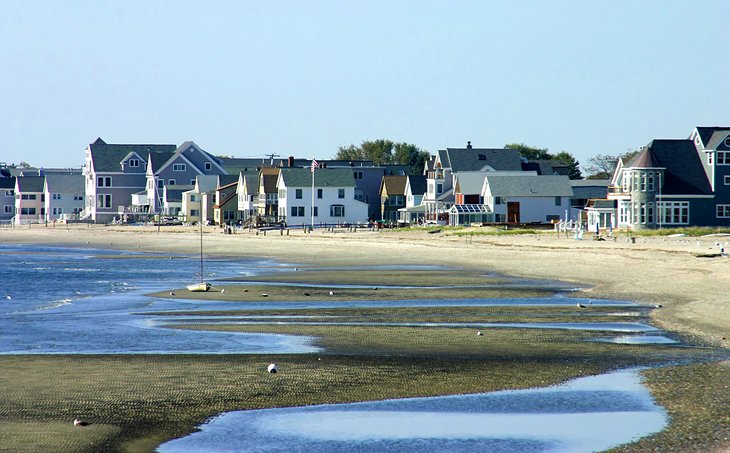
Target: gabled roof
158,159
393,185
470,182
65,183
590,188
717,139
28,184
250,179
331,177
706,133
418,184
225,180
529,186
645,159
268,179
684,173
107,158
206,183
476,159
235,165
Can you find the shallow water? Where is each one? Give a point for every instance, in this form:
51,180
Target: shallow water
591,326
586,414
62,300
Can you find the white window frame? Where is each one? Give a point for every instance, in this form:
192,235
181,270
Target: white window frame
208,166
103,181
723,158
171,182
722,211
104,200
179,167
727,180
337,210
298,194
297,211
133,162
341,194
677,211
8,209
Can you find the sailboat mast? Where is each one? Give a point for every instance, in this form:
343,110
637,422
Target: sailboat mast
201,250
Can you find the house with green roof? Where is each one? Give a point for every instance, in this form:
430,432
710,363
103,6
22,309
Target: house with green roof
112,173
29,199
333,200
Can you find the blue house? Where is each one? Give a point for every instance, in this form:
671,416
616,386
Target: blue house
671,183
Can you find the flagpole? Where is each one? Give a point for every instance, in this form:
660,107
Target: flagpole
312,211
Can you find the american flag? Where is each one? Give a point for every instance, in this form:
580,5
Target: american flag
315,164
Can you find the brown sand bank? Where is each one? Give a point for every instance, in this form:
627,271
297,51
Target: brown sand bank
694,291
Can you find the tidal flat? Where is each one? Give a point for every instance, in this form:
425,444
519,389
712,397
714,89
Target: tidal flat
136,402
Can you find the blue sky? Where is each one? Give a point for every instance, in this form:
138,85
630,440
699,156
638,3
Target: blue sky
304,77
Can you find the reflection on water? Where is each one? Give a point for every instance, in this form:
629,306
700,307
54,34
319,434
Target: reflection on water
592,326
586,414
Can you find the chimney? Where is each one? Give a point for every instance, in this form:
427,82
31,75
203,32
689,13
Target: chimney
468,145
291,161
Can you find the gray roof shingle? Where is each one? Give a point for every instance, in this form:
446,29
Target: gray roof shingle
476,159
684,174
65,183
28,184
107,158
530,186
332,177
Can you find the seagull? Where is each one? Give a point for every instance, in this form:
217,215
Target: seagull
264,295
375,288
658,306
8,297
479,334
332,293
79,422
580,305
223,290
272,368
171,293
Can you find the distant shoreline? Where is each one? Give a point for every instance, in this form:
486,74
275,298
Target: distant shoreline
655,270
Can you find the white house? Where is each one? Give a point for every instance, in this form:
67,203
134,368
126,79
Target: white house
334,197
63,196
414,210
29,199
247,193
527,199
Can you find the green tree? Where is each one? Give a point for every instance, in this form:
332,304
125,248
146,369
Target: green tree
411,155
566,158
529,152
386,152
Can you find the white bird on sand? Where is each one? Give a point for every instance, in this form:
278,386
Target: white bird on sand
264,295
8,297
332,293
658,306
171,293
272,368
223,290
479,334
79,422
580,305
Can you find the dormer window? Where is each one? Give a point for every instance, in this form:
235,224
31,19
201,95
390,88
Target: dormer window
481,157
727,141
133,162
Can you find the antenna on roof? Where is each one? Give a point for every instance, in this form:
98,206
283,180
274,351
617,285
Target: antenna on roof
271,156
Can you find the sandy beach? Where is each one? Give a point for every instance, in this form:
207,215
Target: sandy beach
692,290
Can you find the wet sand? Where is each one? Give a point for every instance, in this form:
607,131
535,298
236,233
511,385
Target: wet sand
692,290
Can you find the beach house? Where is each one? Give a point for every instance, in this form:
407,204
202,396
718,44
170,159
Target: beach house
670,183
63,195
334,197
7,198
113,172
392,197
